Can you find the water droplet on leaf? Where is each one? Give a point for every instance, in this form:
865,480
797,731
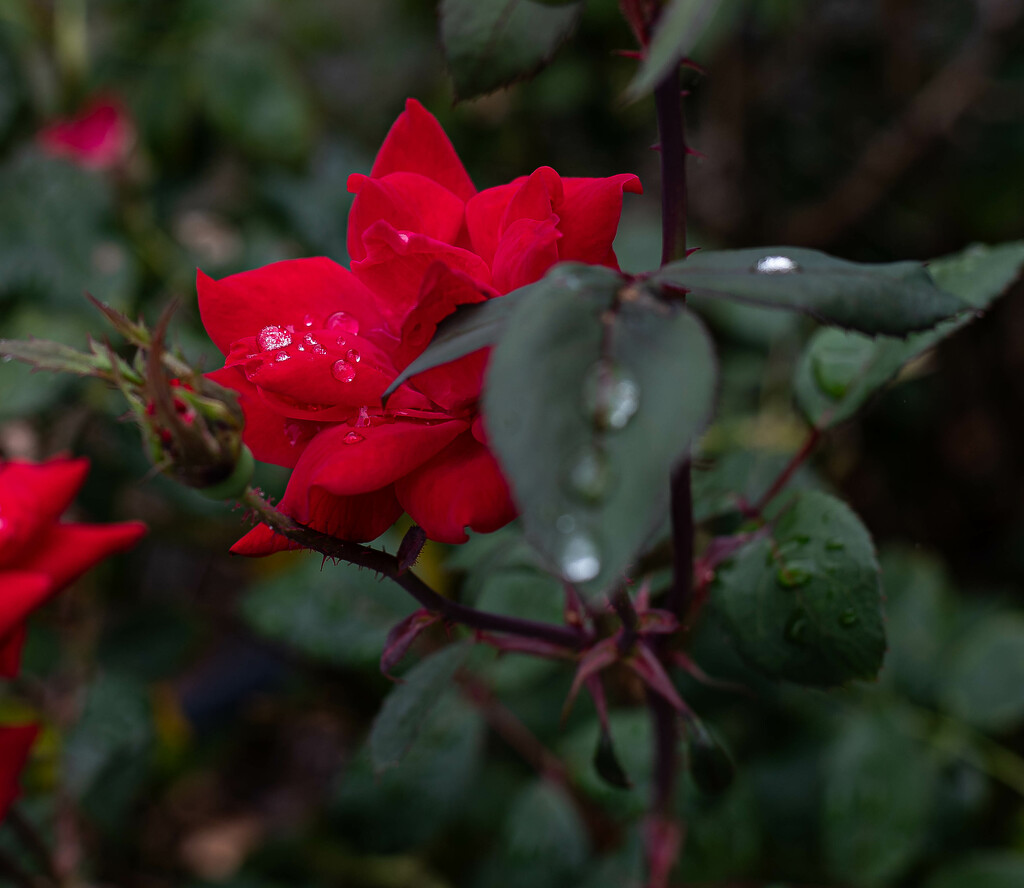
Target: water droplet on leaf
776,265
848,617
580,560
343,321
588,474
611,396
343,371
791,576
272,336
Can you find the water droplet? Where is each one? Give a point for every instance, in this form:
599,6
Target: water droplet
791,576
565,524
293,431
580,560
353,356
308,320
404,238
343,371
848,617
588,474
282,356
364,418
343,321
273,337
611,396
314,345
835,545
796,627
776,265
352,438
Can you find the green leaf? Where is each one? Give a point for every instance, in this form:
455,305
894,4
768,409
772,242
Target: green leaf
879,789
339,614
468,329
993,869
591,397
407,706
984,684
55,356
894,298
406,806
806,604
839,372
677,32
489,44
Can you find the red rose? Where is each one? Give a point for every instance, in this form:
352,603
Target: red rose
311,346
15,743
38,555
98,137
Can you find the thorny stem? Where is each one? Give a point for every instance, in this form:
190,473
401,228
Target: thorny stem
389,566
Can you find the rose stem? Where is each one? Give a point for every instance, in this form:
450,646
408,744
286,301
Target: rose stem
388,565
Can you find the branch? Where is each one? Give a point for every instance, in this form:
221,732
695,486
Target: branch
389,566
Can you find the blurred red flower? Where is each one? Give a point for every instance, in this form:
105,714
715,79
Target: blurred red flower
311,346
98,137
15,743
38,554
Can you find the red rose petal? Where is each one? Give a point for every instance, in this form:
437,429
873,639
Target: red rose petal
416,143
69,550
460,487
21,592
527,250
589,217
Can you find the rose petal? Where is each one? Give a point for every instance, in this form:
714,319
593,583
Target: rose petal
416,143
409,202
69,550
589,215
460,487
360,519
484,214
300,293
536,198
33,496
527,250
21,592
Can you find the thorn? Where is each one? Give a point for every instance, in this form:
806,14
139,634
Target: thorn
693,152
693,66
635,54
656,146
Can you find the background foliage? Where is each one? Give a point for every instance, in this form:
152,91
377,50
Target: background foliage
222,736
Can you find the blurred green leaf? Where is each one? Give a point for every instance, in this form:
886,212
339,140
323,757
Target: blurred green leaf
489,44
590,451
839,372
984,679
994,869
895,298
676,33
879,787
738,473
406,708
806,604
336,613
407,805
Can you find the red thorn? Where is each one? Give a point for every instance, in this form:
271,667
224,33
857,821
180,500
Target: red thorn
656,146
693,66
629,53
693,152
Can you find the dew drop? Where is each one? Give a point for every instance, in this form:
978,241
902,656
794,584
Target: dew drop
343,371
796,627
792,576
364,418
343,321
776,265
611,396
308,320
273,337
352,438
848,618
588,474
353,356
565,524
293,431
282,356
580,560
835,545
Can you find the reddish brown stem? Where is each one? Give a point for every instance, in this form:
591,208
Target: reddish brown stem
799,458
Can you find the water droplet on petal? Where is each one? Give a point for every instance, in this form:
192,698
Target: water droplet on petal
588,474
611,396
314,345
776,265
343,321
352,438
353,356
796,627
848,617
308,320
273,336
342,341
364,418
282,356
580,560
343,371
293,431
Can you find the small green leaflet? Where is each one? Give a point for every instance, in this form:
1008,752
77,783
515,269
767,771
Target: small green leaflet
805,603
894,298
489,44
594,392
677,32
